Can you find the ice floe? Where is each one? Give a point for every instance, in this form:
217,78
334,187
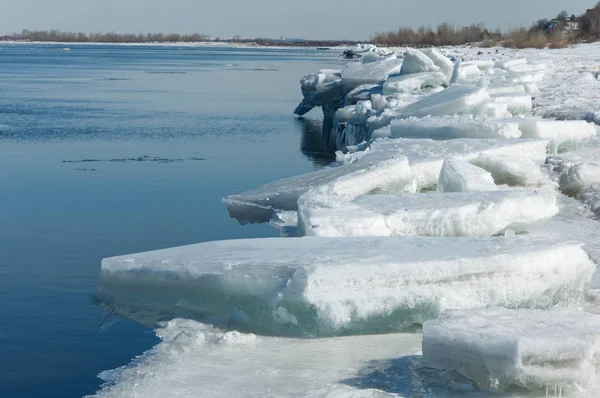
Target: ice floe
323,288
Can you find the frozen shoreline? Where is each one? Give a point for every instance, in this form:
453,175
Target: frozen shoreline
502,105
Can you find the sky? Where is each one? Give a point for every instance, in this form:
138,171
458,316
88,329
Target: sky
311,19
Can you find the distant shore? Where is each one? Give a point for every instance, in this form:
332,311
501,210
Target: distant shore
182,44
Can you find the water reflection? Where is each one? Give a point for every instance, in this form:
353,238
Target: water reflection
315,141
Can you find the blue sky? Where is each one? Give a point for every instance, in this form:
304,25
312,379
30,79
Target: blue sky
315,19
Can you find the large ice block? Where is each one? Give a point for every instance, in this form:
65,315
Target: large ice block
460,176
371,73
450,127
416,61
558,132
430,214
499,348
457,99
329,286
375,171
426,157
516,104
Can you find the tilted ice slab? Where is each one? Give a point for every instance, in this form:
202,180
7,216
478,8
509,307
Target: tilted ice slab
383,172
426,157
558,132
535,349
456,99
450,127
328,286
513,171
431,214
460,176
413,82
416,61
440,60
195,360
371,73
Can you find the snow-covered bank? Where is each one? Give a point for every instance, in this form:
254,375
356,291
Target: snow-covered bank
503,83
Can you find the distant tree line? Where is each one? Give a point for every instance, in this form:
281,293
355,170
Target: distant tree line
111,37
555,33
444,35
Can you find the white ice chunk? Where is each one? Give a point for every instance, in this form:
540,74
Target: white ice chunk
460,176
468,73
379,102
481,64
430,214
346,285
374,171
496,110
511,62
371,57
512,171
506,90
427,156
558,132
413,82
499,348
531,88
194,360
516,104
450,127
417,62
372,73
440,60
456,99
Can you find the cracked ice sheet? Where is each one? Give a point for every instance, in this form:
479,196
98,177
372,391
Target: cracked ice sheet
331,286
431,214
426,157
196,360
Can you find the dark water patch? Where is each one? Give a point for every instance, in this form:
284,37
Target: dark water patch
112,79
143,158
157,72
257,69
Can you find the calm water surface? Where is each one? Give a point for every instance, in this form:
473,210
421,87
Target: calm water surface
108,150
